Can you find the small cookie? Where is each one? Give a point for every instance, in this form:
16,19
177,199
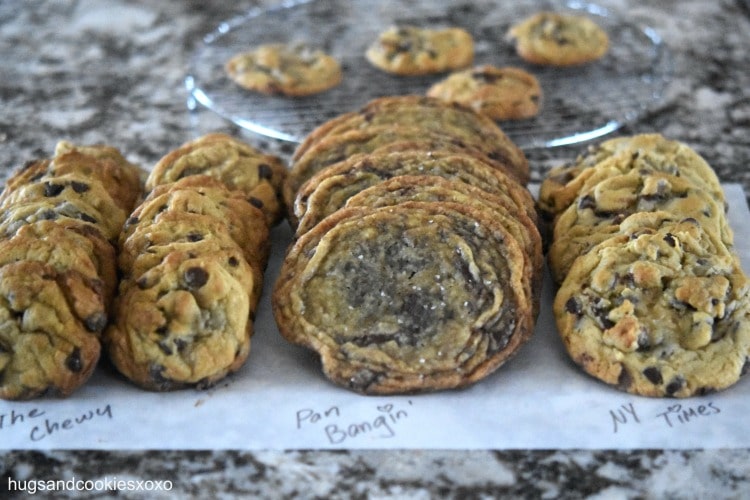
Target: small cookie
556,39
238,165
284,69
505,93
413,297
410,50
662,312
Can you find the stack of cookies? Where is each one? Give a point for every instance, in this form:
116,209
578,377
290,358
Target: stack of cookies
60,217
192,257
652,297
417,260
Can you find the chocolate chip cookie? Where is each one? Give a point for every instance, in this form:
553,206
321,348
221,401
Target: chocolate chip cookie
412,50
552,38
284,69
409,298
502,93
658,312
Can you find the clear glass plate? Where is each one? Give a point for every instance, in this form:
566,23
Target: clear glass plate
580,103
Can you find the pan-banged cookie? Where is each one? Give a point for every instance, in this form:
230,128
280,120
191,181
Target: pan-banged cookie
552,38
465,125
327,191
428,188
411,50
599,211
49,343
658,312
284,69
502,93
238,165
339,147
185,322
200,194
413,297
652,152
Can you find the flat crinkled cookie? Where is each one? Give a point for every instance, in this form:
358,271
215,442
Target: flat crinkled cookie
414,297
411,50
658,312
551,38
502,93
284,69
328,190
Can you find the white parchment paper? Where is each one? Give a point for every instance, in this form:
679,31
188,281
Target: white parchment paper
280,400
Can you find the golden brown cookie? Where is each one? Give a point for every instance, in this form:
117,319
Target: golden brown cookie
659,312
284,69
409,298
411,50
466,127
238,165
329,190
185,322
502,93
557,39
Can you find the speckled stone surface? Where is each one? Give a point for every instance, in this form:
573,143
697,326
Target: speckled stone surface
112,71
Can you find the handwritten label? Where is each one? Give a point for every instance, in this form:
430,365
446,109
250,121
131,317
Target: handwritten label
673,415
41,424
381,422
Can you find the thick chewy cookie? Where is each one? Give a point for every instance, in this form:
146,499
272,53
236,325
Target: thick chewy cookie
658,312
411,50
185,322
238,165
413,297
57,275
502,93
598,212
650,152
284,69
557,39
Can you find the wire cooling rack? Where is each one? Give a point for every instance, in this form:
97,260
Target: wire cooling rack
579,104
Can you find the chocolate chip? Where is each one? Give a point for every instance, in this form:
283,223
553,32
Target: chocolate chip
573,306
142,283
587,201
48,215
79,187
73,361
180,345
164,347
194,237
132,220
162,330
625,380
51,190
96,322
87,218
675,385
669,238
195,277
233,262
265,171
255,202
653,375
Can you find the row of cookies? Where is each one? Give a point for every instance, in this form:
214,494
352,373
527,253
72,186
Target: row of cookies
652,298
416,259
192,258
60,219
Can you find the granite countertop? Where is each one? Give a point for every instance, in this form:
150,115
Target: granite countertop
113,71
